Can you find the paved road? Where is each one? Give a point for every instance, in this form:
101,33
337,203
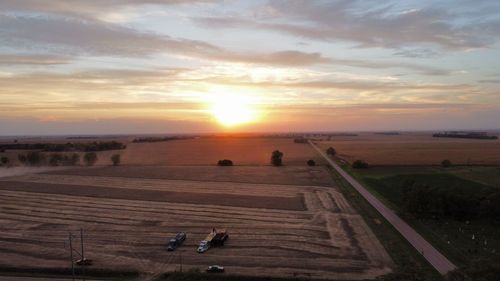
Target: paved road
435,258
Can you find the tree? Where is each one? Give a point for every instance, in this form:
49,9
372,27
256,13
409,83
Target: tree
225,162
90,158
35,158
331,151
22,158
4,160
311,163
56,159
446,163
72,160
116,158
277,158
359,164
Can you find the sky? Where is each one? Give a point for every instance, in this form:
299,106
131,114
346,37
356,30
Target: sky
171,66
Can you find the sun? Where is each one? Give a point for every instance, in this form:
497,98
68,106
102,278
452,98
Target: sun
232,109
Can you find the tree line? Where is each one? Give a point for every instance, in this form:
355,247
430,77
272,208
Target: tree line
65,147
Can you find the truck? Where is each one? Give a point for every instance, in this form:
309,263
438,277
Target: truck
213,239
176,241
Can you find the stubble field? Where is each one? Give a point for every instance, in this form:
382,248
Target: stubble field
414,149
285,221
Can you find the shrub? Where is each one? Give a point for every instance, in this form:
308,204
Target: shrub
331,151
311,163
116,158
90,158
277,158
359,164
446,163
225,162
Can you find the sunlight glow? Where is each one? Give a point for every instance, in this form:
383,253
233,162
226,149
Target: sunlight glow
232,109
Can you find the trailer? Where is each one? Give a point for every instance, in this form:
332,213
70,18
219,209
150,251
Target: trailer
213,239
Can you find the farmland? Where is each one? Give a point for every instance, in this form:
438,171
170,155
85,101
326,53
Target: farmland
275,230
414,149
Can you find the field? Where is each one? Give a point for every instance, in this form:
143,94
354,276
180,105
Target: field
207,151
451,236
275,230
198,151
414,149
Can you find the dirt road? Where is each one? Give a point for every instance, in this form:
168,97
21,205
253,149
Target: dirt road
433,256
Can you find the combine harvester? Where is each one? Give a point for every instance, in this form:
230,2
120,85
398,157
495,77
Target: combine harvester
213,239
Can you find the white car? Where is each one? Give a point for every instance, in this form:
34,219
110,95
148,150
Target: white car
215,269
203,247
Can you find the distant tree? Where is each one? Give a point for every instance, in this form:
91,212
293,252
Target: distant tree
35,158
331,151
446,163
72,160
4,161
225,162
116,158
300,140
311,163
277,158
359,164
56,159
22,158
90,158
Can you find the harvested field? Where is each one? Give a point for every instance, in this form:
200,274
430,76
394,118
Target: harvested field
295,175
202,151
207,151
415,149
287,230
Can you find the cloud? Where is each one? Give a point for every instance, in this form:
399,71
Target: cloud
356,21
76,37
33,59
89,9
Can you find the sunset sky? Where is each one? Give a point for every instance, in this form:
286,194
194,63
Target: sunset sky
167,66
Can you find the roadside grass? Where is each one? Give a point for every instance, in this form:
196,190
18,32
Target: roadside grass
405,257
461,241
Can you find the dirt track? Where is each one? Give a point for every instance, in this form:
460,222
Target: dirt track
327,240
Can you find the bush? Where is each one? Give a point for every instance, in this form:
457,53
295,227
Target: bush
90,158
311,163
277,158
359,164
225,162
446,163
116,158
331,151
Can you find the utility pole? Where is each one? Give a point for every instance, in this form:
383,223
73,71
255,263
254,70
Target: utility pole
71,257
83,256
180,257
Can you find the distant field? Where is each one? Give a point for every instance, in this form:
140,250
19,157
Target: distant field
275,230
415,149
202,151
207,151
295,175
